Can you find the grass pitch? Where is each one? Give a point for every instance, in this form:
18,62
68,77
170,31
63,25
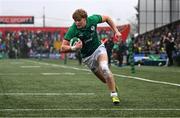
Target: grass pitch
49,88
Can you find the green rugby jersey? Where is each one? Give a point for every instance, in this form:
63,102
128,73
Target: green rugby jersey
88,35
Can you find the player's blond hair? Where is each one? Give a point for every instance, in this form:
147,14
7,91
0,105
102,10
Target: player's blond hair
79,14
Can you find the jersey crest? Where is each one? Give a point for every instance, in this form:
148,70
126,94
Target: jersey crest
92,28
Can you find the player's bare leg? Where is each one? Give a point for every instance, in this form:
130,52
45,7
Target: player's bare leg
100,76
105,75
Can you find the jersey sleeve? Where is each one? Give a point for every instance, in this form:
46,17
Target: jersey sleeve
70,33
96,19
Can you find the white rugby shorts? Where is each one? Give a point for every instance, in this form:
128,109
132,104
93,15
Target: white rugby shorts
91,61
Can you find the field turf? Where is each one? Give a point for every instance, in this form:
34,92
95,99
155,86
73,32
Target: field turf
50,88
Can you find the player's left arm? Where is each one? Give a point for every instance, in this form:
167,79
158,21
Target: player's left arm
111,23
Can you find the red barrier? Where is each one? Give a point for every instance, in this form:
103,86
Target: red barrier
124,29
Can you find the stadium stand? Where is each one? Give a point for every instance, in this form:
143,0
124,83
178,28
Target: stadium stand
152,43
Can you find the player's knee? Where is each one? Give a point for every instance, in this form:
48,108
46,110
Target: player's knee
105,69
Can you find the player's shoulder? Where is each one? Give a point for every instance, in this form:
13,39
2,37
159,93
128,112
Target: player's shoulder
72,28
71,32
95,18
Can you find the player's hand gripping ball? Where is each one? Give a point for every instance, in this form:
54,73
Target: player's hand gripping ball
76,43
74,40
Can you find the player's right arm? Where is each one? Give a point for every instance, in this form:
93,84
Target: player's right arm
65,47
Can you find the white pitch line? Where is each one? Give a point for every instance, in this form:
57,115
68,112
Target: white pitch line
46,94
147,80
58,73
128,109
31,74
16,74
17,63
56,65
118,75
30,66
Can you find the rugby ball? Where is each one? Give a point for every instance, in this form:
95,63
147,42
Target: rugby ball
74,40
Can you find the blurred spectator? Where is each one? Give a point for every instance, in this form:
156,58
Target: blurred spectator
169,44
121,52
79,57
109,46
